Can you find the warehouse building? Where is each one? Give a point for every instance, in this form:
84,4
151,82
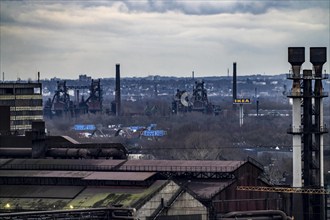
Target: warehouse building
157,189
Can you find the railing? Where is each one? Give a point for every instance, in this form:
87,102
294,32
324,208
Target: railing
293,94
300,130
295,130
301,76
123,167
195,169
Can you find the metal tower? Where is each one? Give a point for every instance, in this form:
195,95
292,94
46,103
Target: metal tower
307,130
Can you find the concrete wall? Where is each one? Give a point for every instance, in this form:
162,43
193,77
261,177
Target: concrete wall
184,205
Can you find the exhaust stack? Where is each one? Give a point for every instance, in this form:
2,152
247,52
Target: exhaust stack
234,82
117,91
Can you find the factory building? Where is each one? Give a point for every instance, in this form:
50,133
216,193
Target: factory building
25,103
156,189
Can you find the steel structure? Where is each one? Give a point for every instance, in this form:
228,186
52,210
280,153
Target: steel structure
307,130
198,102
61,104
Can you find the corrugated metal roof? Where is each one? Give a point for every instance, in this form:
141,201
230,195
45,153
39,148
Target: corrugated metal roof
123,176
44,173
30,191
87,175
182,165
115,195
123,165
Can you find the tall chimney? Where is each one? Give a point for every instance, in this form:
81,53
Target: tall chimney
318,56
117,90
38,77
234,82
296,57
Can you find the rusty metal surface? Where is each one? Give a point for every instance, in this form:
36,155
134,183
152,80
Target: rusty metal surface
181,165
124,176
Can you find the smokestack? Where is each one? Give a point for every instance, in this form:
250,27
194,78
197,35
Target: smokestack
117,90
38,77
234,82
193,75
318,56
296,57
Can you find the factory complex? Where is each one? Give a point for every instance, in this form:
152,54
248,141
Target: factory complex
57,177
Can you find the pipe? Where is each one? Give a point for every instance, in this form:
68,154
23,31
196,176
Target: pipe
16,152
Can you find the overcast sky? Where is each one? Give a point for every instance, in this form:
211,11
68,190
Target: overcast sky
152,37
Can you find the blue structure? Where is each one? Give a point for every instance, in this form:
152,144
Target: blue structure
84,127
154,133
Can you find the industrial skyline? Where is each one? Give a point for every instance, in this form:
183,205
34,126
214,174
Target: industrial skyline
168,38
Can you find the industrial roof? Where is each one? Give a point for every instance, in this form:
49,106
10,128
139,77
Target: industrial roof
86,175
123,165
61,164
182,165
115,195
66,197
67,161
123,176
39,191
44,173
207,189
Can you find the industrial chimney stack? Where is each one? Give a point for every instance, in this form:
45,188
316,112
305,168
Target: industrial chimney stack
234,82
296,57
117,90
307,131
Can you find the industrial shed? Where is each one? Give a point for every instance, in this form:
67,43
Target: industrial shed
155,188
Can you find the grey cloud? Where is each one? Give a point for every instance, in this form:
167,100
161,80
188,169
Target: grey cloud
213,7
